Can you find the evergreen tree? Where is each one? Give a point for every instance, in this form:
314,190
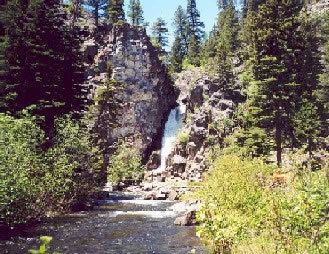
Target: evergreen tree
115,11
160,36
195,26
135,13
279,86
193,52
179,48
45,68
195,32
177,56
98,7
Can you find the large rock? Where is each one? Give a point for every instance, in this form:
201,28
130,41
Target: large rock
188,219
148,94
178,164
196,97
154,161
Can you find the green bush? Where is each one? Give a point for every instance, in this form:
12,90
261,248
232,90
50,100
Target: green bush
44,247
21,168
35,183
244,210
125,164
183,138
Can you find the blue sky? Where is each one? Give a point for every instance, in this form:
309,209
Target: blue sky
166,9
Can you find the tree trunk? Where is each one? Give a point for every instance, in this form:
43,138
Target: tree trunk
278,141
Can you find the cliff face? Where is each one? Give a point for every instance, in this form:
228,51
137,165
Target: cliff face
148,94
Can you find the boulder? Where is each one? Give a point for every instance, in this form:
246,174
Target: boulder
225,104
198,135
196,97
188,219
191,150
202,120
179,164
173,195
154,161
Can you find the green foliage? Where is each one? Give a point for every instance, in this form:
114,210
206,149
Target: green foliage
179,47
281,72
135,13
195,26
44,60
115,11
35,182
183,138
252,142
98,7
307,124
125,164
245,211
44,247
160,36
193,51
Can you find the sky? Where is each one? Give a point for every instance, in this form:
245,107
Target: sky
166,10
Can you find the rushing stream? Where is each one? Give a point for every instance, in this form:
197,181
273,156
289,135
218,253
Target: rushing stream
122,223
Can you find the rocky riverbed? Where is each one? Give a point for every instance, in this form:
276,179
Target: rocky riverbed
120,223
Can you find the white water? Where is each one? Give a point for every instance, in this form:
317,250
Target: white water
172,127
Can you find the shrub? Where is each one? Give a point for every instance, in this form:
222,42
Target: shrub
183,138
35,182
125,164
245,211
44,247
20,168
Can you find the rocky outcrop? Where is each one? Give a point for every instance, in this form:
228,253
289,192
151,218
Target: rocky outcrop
208,106
148,94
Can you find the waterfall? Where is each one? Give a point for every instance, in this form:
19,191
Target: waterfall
172,127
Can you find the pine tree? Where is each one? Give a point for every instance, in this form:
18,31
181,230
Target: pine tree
195,26
278,43
98,7
45,68
195,33
177,56
193,52
115,11
135,13
160,36
179,48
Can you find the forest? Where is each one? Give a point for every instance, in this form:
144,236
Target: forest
265,188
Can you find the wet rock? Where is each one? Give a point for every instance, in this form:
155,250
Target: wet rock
160,196
188,219
150,196
173,195
148,186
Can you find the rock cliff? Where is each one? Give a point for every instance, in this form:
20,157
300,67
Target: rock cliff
148,94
